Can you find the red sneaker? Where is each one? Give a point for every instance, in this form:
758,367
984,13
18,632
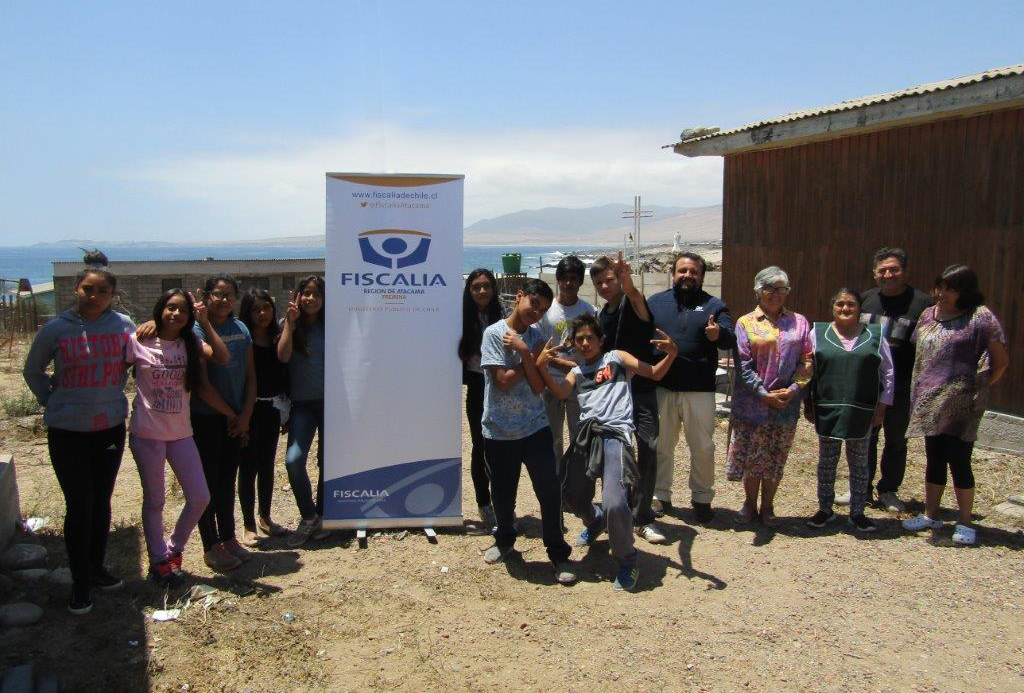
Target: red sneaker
161,572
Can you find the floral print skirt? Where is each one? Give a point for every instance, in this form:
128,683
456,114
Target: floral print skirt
759,450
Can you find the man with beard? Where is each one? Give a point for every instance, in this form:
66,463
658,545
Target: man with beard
700,325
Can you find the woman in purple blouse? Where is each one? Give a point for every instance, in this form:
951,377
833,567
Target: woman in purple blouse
773,356
961,352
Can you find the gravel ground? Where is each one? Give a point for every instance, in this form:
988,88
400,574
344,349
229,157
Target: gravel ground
723,607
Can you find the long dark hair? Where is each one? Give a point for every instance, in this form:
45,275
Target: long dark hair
964,281
249,299
299,339
192,373
472,333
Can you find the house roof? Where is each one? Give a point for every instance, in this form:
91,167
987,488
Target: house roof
990,90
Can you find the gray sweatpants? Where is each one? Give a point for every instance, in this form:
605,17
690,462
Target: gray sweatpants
614,512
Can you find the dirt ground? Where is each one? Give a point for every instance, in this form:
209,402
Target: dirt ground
724,607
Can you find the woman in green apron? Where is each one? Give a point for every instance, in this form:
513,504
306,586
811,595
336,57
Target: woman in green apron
852,385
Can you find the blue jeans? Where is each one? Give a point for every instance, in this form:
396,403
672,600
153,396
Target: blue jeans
306,417
505,460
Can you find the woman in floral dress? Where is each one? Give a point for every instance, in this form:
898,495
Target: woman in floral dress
774,356
961,352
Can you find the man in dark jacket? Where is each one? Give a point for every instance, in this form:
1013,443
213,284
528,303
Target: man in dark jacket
897,307
700,324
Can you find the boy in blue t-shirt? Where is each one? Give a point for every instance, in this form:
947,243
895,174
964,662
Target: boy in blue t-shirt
601,385
515,427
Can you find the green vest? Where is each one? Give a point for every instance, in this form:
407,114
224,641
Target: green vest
846,384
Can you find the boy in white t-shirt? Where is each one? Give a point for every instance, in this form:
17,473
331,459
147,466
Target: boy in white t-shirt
556,325
602,446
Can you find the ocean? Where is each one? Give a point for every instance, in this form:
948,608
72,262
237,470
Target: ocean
33,262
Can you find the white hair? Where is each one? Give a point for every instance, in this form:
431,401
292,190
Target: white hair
769,276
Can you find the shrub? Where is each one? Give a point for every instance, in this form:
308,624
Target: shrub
21,404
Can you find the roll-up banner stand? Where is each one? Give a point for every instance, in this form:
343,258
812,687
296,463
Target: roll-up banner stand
393,418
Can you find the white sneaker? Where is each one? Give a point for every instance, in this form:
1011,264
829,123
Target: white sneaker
843,499
964,535
652,534
922,521
891,502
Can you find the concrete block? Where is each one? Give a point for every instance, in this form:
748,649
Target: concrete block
10,510
1002,432
19,679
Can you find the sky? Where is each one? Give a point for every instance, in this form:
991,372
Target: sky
217,121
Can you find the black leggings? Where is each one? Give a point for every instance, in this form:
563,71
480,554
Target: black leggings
219,453
256,467
946,450
86,466
475,414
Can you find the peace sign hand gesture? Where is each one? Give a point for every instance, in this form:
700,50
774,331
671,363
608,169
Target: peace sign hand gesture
199,309
292,313
623,272
665,344
547,353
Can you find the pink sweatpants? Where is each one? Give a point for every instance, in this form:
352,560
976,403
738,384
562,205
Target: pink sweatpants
184,459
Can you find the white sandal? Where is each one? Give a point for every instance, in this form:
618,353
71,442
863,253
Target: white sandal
922,521
964,535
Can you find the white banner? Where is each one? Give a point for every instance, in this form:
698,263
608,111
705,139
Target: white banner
393,417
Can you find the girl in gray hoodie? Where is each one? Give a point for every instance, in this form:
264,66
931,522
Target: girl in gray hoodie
85,413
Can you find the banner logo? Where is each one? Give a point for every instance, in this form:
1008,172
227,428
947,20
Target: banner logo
394,248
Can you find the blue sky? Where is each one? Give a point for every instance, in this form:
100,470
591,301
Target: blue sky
197,121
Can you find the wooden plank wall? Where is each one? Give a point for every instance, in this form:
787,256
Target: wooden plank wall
948,191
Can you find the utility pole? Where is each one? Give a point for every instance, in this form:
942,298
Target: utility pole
636,215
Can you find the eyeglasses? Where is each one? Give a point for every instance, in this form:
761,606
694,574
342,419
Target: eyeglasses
775,290
222,295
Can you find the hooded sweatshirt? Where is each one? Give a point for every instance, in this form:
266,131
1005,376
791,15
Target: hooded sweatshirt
86,391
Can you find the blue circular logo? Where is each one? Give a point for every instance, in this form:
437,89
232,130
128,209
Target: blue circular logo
394,246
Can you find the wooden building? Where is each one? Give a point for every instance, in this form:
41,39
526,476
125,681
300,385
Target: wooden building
936,169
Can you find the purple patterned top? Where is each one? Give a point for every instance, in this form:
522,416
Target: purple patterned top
771,356
949,390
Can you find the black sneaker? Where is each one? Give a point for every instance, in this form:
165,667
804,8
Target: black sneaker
80,602
862,524
822,518
105,581
703,512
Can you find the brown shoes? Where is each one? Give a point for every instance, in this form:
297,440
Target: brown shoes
220,560
236,550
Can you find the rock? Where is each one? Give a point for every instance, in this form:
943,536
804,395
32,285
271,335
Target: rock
23,556
31,574
1011,508
20,614
60,576
19,679
6,585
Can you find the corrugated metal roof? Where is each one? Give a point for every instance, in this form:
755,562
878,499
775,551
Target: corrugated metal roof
871,100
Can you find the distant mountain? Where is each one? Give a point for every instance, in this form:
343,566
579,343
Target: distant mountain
601,225
596,225
89,245
562,220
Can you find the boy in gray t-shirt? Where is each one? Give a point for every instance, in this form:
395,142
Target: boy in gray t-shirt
601,385
515,427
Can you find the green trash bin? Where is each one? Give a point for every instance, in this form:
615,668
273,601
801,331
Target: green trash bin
511,263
